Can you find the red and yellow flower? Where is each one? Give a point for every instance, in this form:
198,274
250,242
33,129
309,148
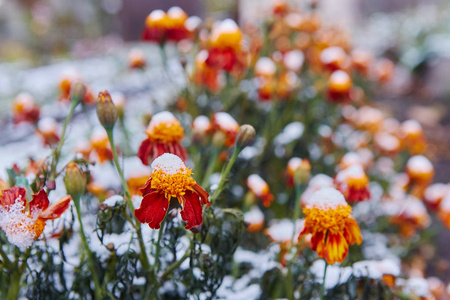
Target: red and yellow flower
170,178
47,128
260,189
204,75
411,216
298,171
65,87
339,86
136,59
328,218
100,147
224,123
164,134
25,109
24,221
353,183
161,26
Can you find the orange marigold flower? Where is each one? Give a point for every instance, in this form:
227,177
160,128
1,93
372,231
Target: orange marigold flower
339,87
420,169
298,171
435,193
25,109
170,178
100,146
353,183
280,8
65,86
23,222
226,124
135,183
176,28
225,46
361,61
201,126
47,128
136,59
161,26
328,218
164,134
260,189
204,75
411,215
334,58
413,137
155,25
254,219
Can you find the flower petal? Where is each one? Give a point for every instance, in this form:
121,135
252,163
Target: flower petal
145,151
147,188
352,233
318,243
11,195
336,248
39,201
153,209
192,209
55,210
203,195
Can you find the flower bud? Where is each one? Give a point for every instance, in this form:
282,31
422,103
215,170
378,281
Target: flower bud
303,172
74,180
245,136
106,110
77,92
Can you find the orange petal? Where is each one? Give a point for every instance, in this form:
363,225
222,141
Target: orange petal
352,233
11,195
39,201
336,248
318,243
203,195
55,210
153,209
192,209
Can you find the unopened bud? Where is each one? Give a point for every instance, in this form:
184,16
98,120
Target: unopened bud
219,139
77,92
74,180
110,247
106,110
303,172
245,136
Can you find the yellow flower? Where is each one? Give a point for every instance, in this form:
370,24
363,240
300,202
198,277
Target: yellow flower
328,218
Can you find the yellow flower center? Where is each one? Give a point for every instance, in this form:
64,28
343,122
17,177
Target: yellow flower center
358,183
172,185
165,132
322,219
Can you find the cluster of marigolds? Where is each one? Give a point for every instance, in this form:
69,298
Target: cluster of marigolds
293,52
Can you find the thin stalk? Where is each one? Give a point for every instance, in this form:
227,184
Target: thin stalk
7,262
297,209
136,224
57,153
95,278
158,248
322,289
225,174
210,169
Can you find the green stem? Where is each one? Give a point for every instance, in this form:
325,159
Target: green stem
57,153
5,258
95,278
297,209
224,176
322,289
175,266
14,286
143,255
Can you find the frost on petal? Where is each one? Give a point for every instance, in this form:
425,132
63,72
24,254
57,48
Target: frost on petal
19,227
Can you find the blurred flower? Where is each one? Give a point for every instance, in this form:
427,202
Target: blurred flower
298,171
47,128
201,126
106,110
410,216
384,70
135,183
361,61
170,178
339,86
25,109
435,193
254,218
413,138
100,146
225,124
420,170
353,183
23,222
164,134
334,58
136,59
65,87
204,75
155,26
328,218
260,189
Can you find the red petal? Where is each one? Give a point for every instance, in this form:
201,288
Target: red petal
145,151
39,201
55,210
153,209
336,248
11,195
203,195
146,189
192,209
180,151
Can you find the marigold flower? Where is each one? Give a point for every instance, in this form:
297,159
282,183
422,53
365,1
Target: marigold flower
293,60
420,169
339,86
328,218
170,178
298,171
361,61
226,124
100,146
203,74
316,183
135,183
136,59
387,143
155,25
25,109
384,70
176,19
164,134
353,183
47,128
23,222
65,87
254,218
225,46
350,159
369,118
411,215
435,193
200,128
334,58
413,137
106,110
280,8
260,189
